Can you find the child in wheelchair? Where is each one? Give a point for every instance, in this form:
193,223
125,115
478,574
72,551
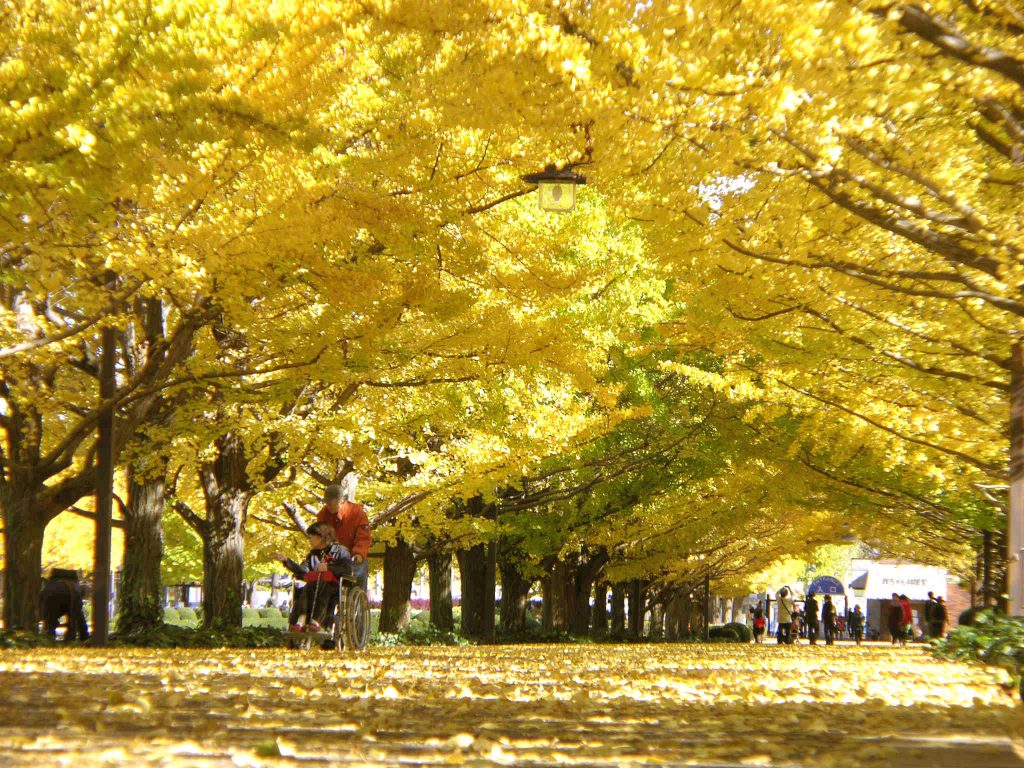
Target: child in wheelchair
327,562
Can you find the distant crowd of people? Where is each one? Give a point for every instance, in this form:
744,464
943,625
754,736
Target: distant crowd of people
816,619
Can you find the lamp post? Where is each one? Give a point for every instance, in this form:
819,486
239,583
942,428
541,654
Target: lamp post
556,189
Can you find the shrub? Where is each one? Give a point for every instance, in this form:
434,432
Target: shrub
428,635
181,617
171,636
249,614
189,615
723,632
269,613
993,639
742,631
966,618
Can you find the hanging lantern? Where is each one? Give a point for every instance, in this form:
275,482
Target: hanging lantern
556,189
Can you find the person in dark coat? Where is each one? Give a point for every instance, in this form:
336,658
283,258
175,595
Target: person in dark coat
63,595
326,563
811,618
856,622
828,618
894,619
939,617
929,608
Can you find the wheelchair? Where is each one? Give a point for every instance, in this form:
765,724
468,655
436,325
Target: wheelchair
350,628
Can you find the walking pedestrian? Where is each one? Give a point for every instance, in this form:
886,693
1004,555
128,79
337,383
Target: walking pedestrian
939,617
907,616
856,622
894,618
929,609
828,615
759,625
785,609
811,618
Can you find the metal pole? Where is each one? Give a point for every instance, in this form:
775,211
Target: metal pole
1015,524
104,493
707,606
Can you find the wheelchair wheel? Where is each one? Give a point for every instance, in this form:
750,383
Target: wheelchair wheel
356,629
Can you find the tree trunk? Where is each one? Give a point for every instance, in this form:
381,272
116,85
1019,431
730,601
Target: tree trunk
399,572
515,588
228,491
581,586
547,621
139,598
439,566
473,573
986,577
23,555
559,594
618,609
657,631
673,618
599,614
636,609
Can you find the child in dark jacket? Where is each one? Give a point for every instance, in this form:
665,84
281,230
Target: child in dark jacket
326,563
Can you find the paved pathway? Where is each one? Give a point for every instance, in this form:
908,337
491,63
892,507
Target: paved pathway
594,705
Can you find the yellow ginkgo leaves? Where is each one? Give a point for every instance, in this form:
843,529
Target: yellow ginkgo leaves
521,705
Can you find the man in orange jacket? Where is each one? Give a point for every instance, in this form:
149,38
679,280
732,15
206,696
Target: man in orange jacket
351,528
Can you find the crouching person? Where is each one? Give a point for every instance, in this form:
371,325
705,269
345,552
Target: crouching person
326,563
62,595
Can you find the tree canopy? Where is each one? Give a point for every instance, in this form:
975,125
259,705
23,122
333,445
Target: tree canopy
780,315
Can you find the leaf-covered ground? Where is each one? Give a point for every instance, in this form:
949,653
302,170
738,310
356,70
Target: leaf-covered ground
514,705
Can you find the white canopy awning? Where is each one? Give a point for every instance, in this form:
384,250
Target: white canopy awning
914,581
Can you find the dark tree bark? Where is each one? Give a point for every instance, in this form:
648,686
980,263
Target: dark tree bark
986,575
28,507
399,572
23,554
228,491
515,588
439,566
636,608
599,614
558,597
473,573
657,630
583,577
618,609
140,603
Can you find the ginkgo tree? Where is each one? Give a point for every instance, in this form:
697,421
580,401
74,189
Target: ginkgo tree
316,247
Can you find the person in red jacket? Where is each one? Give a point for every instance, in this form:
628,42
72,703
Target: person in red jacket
351,528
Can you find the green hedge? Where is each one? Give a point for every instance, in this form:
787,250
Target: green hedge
724,633
171,636
992,638
742,631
